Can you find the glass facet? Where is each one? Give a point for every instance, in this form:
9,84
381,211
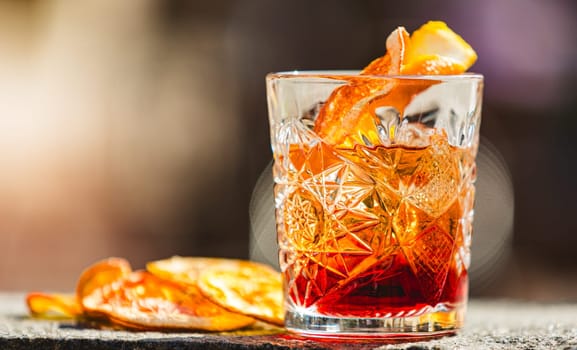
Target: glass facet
374,216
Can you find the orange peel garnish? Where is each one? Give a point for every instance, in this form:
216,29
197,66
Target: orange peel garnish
347,118
435,41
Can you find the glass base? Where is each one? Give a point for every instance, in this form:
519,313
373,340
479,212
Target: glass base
426,325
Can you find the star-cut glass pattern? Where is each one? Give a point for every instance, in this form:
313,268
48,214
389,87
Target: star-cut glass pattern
379,228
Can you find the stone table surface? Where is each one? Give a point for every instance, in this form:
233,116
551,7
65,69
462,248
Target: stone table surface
490,325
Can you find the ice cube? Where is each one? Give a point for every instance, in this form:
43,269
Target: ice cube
434,185
389,118
447,106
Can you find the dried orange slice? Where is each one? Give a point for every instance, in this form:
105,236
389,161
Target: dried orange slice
186,269
144,301
53,305
347,117
100,274
249,288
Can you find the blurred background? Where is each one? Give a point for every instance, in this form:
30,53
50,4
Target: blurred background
139,128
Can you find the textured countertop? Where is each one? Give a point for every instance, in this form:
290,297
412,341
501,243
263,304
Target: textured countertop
490,325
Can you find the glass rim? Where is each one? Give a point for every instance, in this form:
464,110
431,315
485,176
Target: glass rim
335,74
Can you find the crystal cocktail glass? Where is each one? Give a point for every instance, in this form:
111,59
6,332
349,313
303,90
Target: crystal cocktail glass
374,209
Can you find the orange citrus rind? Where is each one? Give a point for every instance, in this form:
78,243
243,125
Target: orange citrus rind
347,117
436,41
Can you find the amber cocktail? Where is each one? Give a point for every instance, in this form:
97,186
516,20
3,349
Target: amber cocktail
374,212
